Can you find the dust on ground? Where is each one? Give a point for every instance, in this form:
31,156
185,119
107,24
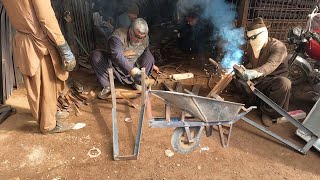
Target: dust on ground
27,154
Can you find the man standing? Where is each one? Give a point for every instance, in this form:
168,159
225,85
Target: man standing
269,72
127,52
43,57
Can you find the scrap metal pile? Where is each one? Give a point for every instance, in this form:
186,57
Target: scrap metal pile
73,96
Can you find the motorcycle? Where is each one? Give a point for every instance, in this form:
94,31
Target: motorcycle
304,63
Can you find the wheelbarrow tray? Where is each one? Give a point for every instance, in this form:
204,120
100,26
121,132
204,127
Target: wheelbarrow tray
203,108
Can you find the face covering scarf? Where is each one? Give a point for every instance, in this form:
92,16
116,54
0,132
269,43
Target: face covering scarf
257,38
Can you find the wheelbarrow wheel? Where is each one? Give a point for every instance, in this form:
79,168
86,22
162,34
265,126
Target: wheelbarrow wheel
180,143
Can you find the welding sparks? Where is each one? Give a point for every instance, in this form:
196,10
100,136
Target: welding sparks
222,15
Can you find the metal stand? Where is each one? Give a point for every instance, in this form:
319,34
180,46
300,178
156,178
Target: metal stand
116,155
239,71
306,131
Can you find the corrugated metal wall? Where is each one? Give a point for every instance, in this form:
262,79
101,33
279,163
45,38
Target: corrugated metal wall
9,75
280,15
82,24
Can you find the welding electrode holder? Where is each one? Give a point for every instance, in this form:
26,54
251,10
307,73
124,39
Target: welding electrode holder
239,72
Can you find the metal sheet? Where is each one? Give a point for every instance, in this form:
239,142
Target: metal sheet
312,121
205,109
8,71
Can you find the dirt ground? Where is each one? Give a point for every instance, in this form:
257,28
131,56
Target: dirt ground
27,154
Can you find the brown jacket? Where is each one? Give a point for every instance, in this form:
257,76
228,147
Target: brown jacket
272,60
38,33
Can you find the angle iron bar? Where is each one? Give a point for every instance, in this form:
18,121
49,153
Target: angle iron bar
199,109
4,115
190,139
187,129
222,138
310,143
115,138
141,118
279,138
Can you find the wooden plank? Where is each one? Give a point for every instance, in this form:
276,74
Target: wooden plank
167,86
196,89
221,85
179,86
133,104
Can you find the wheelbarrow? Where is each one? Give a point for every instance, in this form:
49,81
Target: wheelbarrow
197,114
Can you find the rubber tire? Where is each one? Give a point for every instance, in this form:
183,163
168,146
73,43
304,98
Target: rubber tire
302,78
181,147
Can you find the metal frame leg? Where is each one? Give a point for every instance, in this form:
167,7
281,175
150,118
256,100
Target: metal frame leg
225,130
115,136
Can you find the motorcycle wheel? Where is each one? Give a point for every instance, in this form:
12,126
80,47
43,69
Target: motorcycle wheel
297,74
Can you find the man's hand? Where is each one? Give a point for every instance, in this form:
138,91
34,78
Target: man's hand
250,74
68,59
156,69
136,75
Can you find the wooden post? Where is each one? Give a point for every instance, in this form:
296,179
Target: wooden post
243,12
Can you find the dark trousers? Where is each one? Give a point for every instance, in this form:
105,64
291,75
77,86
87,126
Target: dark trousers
277,88
100,62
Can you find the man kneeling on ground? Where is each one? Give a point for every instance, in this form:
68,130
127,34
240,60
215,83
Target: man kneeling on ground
127,52
267,57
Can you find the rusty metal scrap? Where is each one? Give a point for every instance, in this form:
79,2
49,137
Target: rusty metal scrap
72,98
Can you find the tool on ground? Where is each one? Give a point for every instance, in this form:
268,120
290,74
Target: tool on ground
116,154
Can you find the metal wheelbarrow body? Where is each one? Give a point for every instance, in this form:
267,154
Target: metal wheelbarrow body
205,113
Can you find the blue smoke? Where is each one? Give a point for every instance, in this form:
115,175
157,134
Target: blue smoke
222,15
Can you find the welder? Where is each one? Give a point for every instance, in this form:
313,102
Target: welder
267,67
126,53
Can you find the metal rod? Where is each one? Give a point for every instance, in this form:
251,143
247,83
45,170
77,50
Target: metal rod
114,116
288,143
80,44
